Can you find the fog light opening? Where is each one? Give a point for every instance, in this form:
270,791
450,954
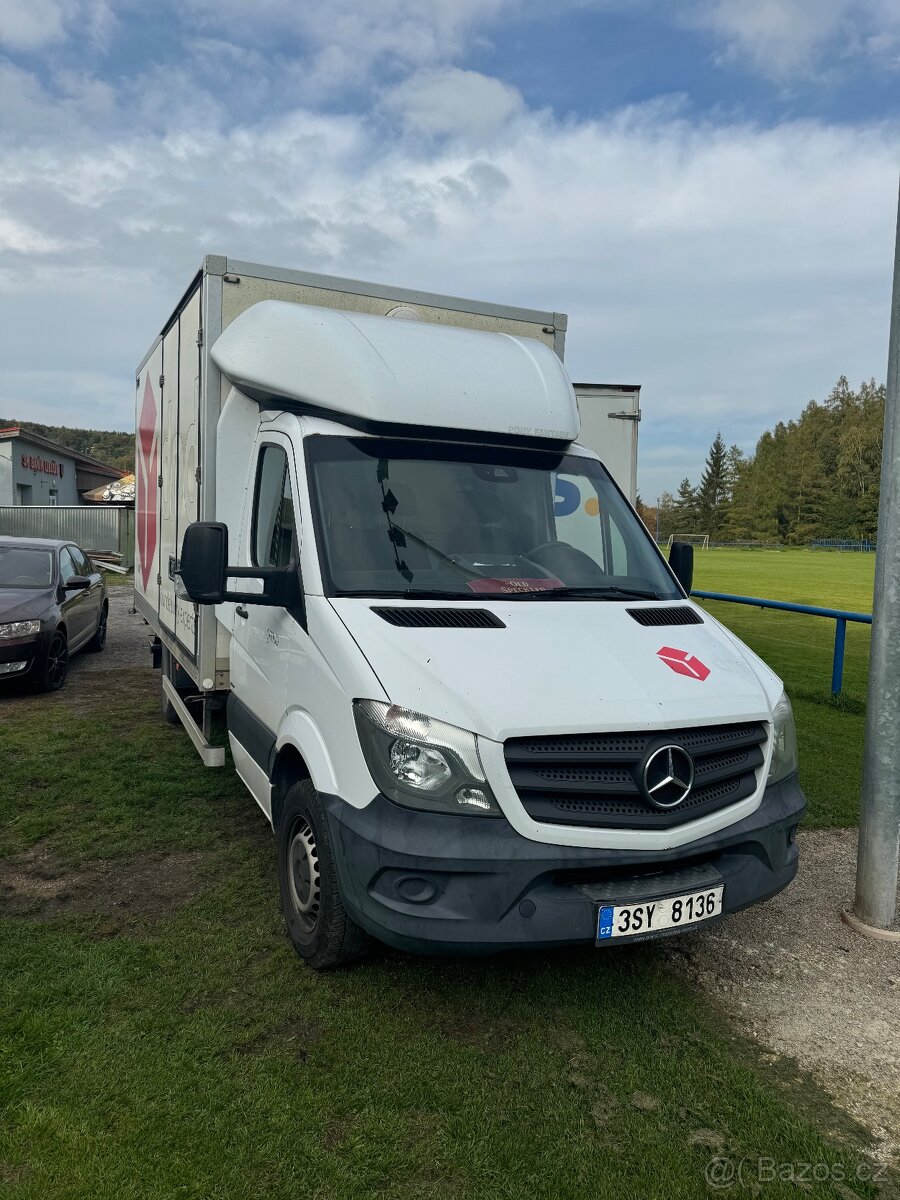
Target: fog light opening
415,889
470,797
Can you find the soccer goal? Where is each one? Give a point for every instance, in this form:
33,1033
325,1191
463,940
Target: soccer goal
700,540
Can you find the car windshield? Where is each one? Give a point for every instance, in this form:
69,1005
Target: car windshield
421,519
25,567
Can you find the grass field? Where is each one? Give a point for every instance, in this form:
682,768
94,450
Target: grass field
159,1038
799,649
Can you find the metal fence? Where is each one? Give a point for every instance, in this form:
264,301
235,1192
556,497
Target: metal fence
843,544
93,527
838,615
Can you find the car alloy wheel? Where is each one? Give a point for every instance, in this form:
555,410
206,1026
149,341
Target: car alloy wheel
57,664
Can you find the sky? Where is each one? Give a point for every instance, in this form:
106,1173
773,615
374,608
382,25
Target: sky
707,188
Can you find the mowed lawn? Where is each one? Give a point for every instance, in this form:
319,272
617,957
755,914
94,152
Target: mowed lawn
159,1038
799,648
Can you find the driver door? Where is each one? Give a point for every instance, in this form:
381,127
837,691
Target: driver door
262,636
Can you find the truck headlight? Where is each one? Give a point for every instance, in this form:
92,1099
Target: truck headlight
17,629
784,735
422,763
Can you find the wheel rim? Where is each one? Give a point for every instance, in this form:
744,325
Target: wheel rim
101,629
57,661
303,873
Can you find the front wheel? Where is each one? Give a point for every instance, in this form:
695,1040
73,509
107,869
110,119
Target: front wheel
322,933
55,667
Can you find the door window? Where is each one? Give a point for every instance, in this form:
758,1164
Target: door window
66,565
584,520
81,561
273,514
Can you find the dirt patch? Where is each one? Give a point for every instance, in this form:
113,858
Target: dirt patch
480,1032
800,982
339,1130
296,1037
119,892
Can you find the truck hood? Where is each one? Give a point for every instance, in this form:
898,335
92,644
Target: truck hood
563,667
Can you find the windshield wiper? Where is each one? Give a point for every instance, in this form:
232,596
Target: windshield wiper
408,594
586,593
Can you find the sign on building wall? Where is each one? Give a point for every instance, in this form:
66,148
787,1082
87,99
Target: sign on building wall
31,462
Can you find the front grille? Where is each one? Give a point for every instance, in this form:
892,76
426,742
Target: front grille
594,779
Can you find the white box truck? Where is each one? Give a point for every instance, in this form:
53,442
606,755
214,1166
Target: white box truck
475,703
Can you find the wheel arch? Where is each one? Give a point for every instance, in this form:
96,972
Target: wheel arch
288,768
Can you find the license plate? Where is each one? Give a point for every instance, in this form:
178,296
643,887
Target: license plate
672,912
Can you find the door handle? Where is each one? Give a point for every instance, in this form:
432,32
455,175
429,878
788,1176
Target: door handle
240,611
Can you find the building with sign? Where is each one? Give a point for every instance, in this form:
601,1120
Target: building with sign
36,471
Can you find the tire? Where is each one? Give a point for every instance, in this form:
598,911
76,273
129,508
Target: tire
322,933
98,641
168,709
55,667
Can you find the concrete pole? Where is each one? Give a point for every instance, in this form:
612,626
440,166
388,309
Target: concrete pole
879,826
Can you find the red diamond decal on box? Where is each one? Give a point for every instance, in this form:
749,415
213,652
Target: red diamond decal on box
683,663
147,475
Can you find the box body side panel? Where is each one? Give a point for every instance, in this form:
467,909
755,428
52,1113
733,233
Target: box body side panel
148,422
239,296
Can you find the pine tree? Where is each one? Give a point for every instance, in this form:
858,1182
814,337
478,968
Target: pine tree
685,509
712,494
814,477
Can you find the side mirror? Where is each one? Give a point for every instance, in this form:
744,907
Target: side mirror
204,557
204,572
77,583
681,560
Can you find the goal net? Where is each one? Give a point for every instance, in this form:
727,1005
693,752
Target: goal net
701,540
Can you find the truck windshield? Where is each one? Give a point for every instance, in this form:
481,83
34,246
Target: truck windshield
416,518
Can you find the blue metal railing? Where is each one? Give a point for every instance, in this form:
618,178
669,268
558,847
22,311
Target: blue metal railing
838,615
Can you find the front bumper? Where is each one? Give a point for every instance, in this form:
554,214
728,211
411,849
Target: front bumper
30,650
435,884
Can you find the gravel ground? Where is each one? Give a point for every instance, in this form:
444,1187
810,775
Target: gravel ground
793,976
127,644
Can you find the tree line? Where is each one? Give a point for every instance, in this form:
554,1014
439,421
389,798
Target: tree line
815,477
114,449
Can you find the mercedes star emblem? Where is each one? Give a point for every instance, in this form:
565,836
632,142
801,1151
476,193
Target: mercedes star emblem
667,777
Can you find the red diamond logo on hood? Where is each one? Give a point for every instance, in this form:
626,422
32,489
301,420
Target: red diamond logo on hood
683,663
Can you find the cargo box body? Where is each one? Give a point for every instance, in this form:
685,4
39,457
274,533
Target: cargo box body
179,395
379,534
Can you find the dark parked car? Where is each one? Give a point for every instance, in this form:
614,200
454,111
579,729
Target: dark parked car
52,603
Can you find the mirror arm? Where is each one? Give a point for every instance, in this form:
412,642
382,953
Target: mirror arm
265,574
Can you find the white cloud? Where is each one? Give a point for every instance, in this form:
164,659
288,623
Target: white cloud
28,24
453,101
787,38
31,25
346,38
734,271
21,238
